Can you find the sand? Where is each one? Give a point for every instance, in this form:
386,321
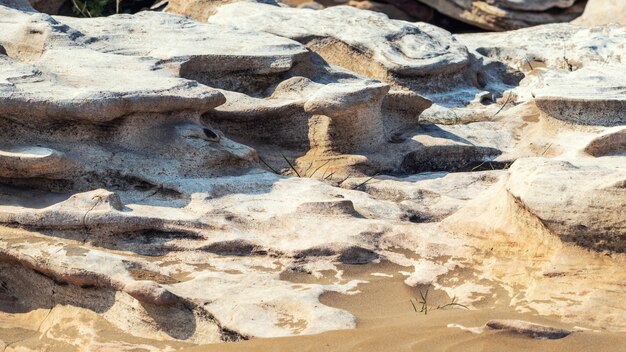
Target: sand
388,322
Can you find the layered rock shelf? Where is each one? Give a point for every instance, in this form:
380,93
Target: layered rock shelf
168,181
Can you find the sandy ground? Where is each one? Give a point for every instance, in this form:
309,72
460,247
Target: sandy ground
388,322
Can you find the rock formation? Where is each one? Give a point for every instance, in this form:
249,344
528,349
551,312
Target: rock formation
161,177
501,15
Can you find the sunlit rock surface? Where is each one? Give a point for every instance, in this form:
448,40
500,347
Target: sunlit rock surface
162,178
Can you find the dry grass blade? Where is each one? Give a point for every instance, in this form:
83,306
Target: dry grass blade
290,165
268,166
347,177
158,4
364,182
453,303
84,12
413,304
546,150
503,105
424,301
319,167
529,65
478,166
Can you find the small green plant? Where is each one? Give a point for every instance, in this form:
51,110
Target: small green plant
423,303
95,8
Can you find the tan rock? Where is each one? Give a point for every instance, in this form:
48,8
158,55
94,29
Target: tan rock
599,12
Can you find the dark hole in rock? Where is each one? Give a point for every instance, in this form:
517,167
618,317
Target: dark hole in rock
210,134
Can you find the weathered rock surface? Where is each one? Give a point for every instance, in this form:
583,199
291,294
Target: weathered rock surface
416,49
573,57
508,14
590,192
143,158
599,12
418,60
563,46
602,102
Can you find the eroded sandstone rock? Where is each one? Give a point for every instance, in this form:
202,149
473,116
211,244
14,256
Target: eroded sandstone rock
598,12
136,195
508,14
590,192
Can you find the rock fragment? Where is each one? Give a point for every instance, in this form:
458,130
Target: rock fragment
529,329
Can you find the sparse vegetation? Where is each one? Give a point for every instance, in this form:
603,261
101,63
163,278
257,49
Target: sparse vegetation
301,173
95,8
423,303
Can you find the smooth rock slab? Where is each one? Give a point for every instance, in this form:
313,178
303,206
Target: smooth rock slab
214,49
85,85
